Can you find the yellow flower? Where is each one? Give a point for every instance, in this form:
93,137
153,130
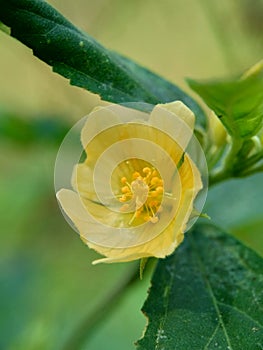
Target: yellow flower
133,195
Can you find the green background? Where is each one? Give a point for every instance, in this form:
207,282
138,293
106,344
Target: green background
47,283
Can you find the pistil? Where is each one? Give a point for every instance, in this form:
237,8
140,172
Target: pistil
142,195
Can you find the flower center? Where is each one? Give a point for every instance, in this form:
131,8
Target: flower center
142,194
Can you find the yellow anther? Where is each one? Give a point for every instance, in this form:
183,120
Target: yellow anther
159,189
154,193
153,203
155,180
154,173
125,189
146,170
123,198
135,175
123,180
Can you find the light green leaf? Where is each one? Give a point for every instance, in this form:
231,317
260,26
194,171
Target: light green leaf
78,57
207,295
238,103
4,28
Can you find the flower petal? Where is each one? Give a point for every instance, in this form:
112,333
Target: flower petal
176,120
102,118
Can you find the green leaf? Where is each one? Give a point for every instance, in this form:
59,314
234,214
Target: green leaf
4,28
238,103
78,57
22,130
207,295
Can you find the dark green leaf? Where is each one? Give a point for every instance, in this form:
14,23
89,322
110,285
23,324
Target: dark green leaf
207,295
87,64
238,103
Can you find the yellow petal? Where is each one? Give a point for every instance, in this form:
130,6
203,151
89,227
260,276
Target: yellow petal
108,117
176,120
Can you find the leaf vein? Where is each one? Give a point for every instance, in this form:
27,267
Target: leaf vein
160,330
212,336
241,312
210,290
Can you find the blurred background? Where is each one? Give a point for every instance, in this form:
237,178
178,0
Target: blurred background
47,283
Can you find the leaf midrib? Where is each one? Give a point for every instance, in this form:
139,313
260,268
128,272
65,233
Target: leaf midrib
210,291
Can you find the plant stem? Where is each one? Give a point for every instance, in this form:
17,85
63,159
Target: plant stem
252,160
253,171
88,324
214,157
226,170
